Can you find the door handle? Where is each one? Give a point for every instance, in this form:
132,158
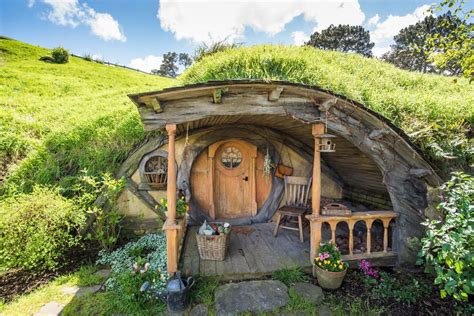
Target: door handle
246,178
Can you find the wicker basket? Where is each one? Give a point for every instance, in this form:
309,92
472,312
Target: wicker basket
213,247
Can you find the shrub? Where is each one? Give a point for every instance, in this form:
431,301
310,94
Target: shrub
88,57
38,229
150,249
107,219
60,55
448,246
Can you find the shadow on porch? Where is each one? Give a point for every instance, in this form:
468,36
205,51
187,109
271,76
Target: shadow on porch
253,252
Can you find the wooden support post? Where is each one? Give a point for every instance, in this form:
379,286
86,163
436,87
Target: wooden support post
172,249
333,226
171,186
170,227
368,224
318,129
386,223
315,240
351,236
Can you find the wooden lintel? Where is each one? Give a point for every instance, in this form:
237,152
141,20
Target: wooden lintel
274,94
326,105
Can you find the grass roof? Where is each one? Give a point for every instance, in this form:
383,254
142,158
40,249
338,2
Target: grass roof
436,112
56,119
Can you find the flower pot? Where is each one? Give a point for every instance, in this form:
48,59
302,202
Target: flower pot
327,279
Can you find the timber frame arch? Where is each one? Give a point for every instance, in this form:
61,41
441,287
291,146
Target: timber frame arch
293,109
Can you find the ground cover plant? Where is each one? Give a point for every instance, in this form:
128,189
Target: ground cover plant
435,111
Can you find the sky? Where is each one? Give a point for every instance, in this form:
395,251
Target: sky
137,33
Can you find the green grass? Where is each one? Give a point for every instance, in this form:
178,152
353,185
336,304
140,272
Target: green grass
56,119
30,303
435,111
290,276
203,290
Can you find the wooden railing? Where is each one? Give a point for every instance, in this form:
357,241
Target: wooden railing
316,222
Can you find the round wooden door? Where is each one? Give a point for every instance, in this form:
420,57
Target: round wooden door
228,180
234,180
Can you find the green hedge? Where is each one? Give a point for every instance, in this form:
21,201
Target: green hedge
38,229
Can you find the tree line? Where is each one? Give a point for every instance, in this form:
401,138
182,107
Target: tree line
420,47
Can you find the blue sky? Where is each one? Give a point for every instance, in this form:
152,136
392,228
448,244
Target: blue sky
138,33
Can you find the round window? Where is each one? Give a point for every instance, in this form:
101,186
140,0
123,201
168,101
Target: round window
231,157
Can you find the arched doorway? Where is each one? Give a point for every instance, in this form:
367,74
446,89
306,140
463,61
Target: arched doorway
228,180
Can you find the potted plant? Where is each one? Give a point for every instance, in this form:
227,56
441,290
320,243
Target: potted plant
328,267
182,208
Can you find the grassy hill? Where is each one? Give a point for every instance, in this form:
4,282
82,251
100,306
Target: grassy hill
437,112
56,119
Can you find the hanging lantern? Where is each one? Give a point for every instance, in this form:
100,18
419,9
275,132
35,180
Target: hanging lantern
326,143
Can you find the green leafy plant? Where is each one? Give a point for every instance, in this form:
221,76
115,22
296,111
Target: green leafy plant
60,55
98,196
181,206
389,287
150,249
448,246
329,258
290,276
38,229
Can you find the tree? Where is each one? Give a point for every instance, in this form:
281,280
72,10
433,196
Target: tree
413,51
185,60
343,38
455,47
168,66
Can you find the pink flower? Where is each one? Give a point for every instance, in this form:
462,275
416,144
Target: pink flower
368,270
324,255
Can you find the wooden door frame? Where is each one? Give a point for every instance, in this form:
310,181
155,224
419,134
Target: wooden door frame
253,150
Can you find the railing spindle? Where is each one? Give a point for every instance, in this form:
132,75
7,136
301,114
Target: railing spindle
351,236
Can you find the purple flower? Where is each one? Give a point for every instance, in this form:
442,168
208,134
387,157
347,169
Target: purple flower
368,270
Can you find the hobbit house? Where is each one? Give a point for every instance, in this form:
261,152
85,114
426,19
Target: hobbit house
221,145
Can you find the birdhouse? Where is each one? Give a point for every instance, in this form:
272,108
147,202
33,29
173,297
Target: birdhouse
326,143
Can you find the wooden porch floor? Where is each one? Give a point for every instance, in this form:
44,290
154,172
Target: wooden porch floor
250,255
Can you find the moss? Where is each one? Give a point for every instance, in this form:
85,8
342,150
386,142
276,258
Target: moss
436,112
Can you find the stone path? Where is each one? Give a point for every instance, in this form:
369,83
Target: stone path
263,296
251,296
54,308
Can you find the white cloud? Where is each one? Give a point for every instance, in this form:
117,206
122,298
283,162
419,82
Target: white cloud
209,21
373,20
73,13
106,27
31,3
299,38
146,64
97,57
383,32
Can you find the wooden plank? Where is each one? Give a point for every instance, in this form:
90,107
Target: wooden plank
251,256
277,247
207,267
264,253
239,264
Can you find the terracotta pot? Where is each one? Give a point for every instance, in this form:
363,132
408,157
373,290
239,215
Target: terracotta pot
327,279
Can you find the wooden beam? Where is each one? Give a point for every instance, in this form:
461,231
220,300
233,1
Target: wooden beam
318,129
171,185
274,94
